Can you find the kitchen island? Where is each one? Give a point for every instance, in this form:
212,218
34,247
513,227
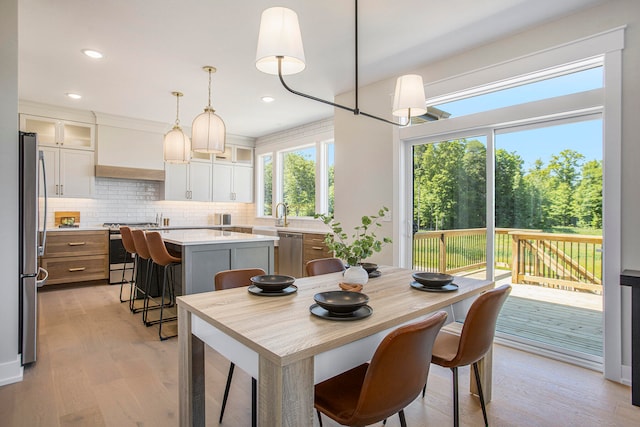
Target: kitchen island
206,252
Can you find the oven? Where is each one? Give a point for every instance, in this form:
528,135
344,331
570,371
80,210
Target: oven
121,262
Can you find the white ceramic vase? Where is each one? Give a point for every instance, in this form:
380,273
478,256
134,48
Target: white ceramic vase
356,275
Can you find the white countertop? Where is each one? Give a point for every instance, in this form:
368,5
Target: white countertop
207,237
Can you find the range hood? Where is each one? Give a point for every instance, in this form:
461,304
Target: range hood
120,172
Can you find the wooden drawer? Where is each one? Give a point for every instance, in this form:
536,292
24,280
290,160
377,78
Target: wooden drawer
76,243
314,247
76,269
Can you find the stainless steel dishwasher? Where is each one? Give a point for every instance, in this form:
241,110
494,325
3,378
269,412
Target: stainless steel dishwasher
290,254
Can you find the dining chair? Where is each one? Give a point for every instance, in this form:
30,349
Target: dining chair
474,342
161,257
376,390
319,266
230,279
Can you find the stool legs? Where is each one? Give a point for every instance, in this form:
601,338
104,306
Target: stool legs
166,283
124,263
254,397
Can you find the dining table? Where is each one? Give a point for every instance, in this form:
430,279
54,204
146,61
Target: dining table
278,340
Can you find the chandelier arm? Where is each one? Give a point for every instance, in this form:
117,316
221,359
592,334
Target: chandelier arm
324,101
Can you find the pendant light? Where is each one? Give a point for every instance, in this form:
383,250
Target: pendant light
177,146
208,131
280,52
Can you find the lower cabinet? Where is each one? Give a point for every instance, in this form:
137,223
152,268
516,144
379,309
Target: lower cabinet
313,248
76,256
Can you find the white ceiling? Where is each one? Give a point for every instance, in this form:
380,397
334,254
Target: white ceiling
154,47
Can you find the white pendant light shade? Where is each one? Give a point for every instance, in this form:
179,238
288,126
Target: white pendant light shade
208,133
409,97
177,146
280,36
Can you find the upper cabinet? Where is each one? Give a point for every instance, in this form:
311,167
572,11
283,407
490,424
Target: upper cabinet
189,181
59,133
236,154
67,147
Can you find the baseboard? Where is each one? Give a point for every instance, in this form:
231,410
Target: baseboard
11,372
625,374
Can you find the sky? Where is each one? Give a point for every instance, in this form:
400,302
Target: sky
584,137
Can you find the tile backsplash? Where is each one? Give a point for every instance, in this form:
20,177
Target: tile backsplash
125,200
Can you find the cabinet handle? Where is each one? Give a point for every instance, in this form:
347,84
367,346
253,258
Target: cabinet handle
61,189
57,189
317,248
73,270
77,243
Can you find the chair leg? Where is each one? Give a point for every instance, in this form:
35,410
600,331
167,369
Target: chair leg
165,283
403,422
424,390
456,418
319,418
226,390
254,402
124,263
480,394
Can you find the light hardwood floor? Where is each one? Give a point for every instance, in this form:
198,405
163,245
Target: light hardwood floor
99,366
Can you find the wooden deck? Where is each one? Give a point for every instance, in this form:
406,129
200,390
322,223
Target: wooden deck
565,320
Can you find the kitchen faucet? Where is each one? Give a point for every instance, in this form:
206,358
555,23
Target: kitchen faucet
281,222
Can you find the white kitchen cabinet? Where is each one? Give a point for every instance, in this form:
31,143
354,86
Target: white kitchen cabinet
232,183
59,133
188,182
235,154
69,173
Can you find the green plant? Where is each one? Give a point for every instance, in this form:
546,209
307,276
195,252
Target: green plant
364,241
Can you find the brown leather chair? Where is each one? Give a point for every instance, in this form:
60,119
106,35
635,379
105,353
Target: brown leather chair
316,267
452,350
130,251
230,279
161,257
376,390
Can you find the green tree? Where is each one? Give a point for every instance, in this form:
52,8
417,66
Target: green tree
299,184
587,202
508,178
268,185
564,173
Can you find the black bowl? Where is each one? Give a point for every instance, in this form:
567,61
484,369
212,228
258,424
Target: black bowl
369,267
433,280
341,302
272,282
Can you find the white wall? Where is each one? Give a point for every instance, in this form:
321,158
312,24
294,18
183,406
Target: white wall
10,370
366,166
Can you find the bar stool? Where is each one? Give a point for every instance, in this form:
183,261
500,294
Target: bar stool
161,256
130,251
143,256
230,279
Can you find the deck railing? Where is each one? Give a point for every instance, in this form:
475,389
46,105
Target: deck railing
569,261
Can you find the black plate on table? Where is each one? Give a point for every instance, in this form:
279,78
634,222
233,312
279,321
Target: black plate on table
361,313
432,280
272,282
446,288
253,289
375,274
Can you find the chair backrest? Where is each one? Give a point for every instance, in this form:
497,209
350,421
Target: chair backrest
158,251
127,240
320,266
398,370
140,243
229,279
479,326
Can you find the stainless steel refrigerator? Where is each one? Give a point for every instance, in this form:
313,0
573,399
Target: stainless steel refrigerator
32,242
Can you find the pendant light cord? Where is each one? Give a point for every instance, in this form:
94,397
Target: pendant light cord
356,111
209,105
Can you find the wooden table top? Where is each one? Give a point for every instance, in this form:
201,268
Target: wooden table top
283,330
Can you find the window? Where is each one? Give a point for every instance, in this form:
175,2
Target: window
301,176
299,181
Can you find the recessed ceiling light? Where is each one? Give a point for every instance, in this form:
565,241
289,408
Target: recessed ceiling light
73,95
92,53
268,99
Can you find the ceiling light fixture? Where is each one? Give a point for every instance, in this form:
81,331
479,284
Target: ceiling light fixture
177,146
280,52
268,99
208,132
73,95
92,53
